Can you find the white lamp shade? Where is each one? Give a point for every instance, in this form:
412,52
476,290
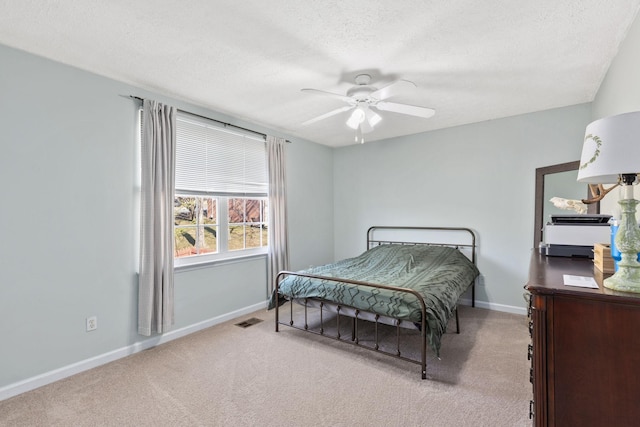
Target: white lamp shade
611,148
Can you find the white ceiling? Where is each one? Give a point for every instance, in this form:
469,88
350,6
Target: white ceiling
471,60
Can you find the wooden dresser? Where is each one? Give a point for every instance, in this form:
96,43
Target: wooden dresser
585,348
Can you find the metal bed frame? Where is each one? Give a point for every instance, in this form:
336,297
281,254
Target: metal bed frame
470,243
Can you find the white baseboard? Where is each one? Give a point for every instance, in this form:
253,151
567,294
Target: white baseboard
496,307
20,387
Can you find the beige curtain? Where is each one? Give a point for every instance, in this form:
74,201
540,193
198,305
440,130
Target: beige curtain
278,235
155,291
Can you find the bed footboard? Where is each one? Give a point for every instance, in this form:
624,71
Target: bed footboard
355,314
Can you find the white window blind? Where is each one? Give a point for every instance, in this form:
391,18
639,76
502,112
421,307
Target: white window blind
213,160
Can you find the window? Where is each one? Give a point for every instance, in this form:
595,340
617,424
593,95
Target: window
247,223
220,208
195,225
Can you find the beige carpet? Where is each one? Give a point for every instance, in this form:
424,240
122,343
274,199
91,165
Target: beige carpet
232,376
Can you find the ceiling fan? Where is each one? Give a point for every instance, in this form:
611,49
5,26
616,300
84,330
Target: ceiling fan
364,98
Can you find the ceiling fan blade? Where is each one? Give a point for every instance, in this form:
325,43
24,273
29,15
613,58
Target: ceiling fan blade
330,94
327,115
411,110
392,89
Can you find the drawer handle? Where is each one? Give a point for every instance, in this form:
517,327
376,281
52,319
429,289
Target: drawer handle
532,409
530,328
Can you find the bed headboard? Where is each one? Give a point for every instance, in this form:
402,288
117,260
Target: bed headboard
461,238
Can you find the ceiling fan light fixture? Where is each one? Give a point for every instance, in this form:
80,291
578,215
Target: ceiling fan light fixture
356,118
365,100
372,117
359,136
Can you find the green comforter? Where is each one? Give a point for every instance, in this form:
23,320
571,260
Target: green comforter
440,274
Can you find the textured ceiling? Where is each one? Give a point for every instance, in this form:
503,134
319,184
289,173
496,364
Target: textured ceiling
471,60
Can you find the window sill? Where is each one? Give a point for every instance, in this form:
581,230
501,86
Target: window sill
217,262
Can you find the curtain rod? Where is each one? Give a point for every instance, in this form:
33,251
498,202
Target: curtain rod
137,98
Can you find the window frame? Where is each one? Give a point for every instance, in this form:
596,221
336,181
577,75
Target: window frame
222,254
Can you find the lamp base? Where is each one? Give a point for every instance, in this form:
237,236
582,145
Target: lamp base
626,279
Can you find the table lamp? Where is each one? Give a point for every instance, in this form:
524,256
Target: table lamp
610,155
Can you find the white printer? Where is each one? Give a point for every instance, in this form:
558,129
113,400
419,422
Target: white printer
575,235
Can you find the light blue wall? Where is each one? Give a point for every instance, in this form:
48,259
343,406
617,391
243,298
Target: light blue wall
480,176
310,191
68,219
620,93
620,89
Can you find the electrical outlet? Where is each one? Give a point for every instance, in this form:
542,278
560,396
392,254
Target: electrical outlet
92,323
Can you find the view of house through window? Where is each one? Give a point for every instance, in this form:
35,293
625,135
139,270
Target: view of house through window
247,223
197,226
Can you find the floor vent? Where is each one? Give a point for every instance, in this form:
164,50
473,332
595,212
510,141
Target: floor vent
249,322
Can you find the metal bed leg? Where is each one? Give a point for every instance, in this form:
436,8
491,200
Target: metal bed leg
457,321
473,295
423,335
277,314
354,327
398,337
291,313
376,332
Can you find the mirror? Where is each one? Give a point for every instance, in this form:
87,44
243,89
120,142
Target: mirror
557,181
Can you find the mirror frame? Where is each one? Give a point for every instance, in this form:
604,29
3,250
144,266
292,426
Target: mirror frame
593,208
